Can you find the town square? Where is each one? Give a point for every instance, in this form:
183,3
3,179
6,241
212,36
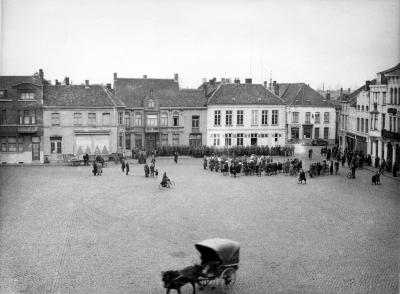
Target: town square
186,146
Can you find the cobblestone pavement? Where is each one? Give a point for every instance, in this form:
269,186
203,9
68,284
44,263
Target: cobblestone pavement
66,231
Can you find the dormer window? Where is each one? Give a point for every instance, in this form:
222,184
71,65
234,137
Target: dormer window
151,103
27,96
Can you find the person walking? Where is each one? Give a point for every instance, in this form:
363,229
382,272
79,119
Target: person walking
310,151
176,157
343,160
127,168
123,165
395,169
331,167
336,167
383,166
353,170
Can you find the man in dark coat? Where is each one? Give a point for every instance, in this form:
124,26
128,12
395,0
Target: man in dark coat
343,160
395,169
127,168
310,153
176,157
94,168
123,165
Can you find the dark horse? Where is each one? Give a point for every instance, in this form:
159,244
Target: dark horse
176,279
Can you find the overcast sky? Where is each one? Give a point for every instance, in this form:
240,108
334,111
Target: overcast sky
340,43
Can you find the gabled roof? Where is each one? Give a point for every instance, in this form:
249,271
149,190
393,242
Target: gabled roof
133,91
7,82
79,96
300,94
394,71
243,94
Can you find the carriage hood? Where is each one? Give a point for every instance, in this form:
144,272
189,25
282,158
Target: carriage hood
226,250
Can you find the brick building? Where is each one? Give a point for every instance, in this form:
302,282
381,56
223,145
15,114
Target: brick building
21,112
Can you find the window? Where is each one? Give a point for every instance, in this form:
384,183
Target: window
326,117
12,144
366,125
78,119
106,119
384,98
326,133
294,133
175,139
239,117
127,121
55,119
128,142
276,135
195,123
264,117
316,133
138,120
3,94
151,120
217,117
274,117
151,103
138,140
3,120
358,124
358,107
390,123
239,139
27,117
55,145
366,108
362,125
164,139
92,119
308,117
317,118
120,140
307,132
228,139
27,96
383,120
295,117
164,119
216,139
254,117
228,117
362,108
120,117
175,119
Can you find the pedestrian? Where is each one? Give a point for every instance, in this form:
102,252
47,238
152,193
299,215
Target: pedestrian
310,153
94,168
336,167
302,177
176,157
343,160
123,165
146,170
395,169
127,168
331,167
383,166
353,170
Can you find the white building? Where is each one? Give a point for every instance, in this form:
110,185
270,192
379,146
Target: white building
309,115
354,120
384,108
245,114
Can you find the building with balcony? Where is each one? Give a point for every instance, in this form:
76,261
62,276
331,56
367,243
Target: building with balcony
159,113
384,107
245,114
81,119
354,126
309,115
21,113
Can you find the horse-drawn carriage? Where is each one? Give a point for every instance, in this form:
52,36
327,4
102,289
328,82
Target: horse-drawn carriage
219,263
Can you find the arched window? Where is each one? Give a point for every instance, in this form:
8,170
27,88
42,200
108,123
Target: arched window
175,118
362,108
395,96
391,95
151,103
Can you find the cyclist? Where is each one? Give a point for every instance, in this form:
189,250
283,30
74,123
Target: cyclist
165,182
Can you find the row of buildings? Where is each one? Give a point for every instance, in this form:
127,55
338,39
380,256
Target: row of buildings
369,119
41,121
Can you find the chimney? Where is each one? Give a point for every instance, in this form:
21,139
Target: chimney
176,77
145,76
276,88
205,89
108,87
348,90
41,74
56,82
237,81
211,82
341,91
86,83
204,80
248,81
115,76
265,84
367,83
223,80
328,95
66,81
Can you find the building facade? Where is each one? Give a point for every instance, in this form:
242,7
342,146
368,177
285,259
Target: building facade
245,115
159,113
81,119
384,108
354,120
21,124
309,115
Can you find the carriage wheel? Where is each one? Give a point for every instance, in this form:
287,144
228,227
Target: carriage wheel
227,279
